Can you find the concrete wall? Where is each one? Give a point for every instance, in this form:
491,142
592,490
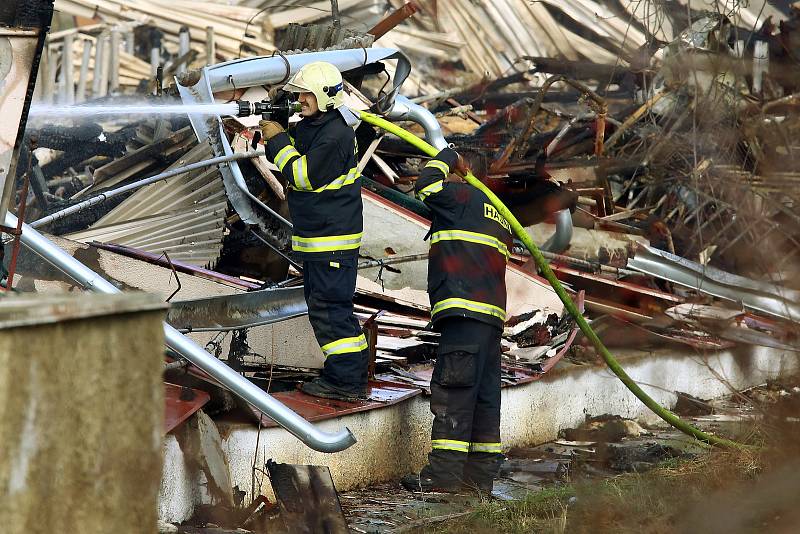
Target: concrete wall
81,413
395,440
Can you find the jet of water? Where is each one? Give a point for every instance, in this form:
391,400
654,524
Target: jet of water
79,111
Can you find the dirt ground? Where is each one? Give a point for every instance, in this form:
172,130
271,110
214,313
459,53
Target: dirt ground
615,476
612,475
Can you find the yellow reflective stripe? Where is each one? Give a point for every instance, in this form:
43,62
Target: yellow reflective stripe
441,165
472,237
345,345
472,305
450,445
341,181
300,173
429,190
326,243
486,447
284,155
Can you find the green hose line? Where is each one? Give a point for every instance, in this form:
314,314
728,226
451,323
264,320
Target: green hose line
541,262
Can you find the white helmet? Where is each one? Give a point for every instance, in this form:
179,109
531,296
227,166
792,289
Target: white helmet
323,80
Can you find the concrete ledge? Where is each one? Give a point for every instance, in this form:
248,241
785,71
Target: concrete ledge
395,440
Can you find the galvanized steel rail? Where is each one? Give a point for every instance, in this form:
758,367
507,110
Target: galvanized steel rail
227,377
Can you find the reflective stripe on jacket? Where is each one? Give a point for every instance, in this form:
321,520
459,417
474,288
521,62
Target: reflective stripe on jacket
470,245
320,166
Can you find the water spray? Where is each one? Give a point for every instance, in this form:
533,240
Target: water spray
86,111
238,108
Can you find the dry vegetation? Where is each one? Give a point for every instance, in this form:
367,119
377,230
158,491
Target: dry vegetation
732,491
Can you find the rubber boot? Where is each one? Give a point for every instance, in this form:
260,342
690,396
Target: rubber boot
482,469
319,387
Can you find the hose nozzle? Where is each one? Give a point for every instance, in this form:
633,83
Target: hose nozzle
265,108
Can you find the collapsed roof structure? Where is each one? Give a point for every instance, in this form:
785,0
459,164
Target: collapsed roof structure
650,152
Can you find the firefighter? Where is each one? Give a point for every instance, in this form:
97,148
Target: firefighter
470,243
319,162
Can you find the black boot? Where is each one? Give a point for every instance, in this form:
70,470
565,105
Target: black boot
319,387
481,486
426,484
481,469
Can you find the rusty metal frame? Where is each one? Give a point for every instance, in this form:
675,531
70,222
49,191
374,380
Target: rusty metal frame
21,208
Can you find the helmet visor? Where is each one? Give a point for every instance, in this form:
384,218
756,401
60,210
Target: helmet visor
294,88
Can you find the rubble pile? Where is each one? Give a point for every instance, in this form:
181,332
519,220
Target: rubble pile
671,147
649,149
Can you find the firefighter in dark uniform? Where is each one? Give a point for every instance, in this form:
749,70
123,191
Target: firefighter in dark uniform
319,163
470,243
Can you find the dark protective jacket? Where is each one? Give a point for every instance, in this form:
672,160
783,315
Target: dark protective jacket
470,245
320,164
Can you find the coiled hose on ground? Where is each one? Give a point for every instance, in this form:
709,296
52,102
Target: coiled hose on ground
544,267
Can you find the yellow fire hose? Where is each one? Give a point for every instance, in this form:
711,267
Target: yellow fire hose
520,232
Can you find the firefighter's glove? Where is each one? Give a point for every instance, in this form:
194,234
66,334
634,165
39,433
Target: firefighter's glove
269,129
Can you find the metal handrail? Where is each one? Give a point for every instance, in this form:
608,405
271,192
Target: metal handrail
227,377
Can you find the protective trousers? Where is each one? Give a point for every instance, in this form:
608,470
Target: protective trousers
329,289
465,401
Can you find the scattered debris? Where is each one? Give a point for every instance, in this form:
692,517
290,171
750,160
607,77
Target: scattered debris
307,498
656,165
604,428
689,405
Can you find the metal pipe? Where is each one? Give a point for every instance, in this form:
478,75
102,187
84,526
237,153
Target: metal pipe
559,241
269,70
406,110
227,377
141,183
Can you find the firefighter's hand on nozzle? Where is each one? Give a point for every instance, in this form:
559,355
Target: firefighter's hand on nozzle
269,129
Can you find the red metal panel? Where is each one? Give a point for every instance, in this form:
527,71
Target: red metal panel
180,403
316,409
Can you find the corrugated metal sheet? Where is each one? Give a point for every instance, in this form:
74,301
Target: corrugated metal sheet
183,216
